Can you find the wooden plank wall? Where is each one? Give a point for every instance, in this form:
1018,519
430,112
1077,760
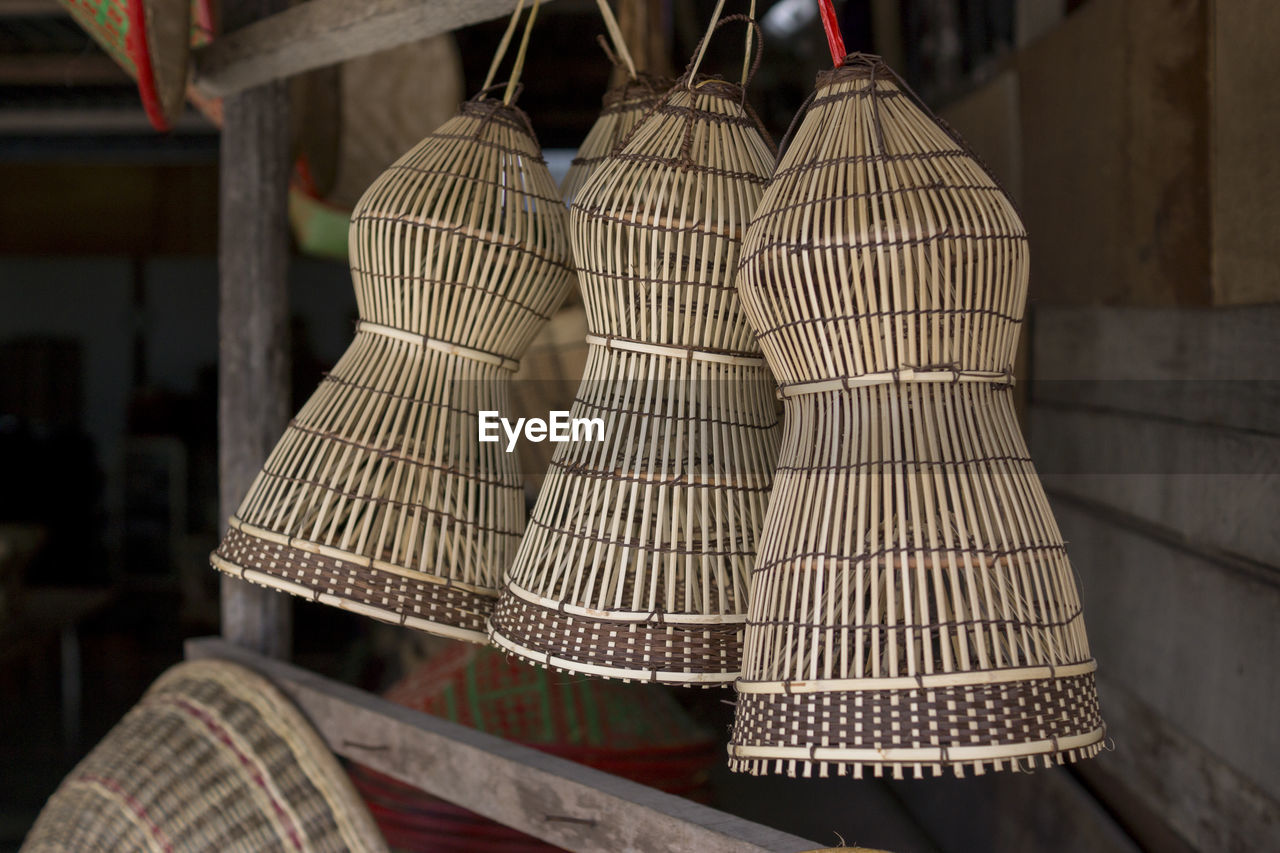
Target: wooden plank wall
1157,434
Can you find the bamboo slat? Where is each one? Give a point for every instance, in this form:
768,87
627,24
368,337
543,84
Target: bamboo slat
912,606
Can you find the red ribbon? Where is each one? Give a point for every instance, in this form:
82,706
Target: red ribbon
835,41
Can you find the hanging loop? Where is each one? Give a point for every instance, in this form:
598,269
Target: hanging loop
750,64
502,47
513,83
620,50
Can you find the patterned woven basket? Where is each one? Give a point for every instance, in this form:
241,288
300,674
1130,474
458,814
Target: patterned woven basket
213,758
632,730
151,41
912,607
379,498
638,554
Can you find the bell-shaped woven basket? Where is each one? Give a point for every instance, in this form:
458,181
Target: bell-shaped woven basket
380,498
912,606
213,758
638,554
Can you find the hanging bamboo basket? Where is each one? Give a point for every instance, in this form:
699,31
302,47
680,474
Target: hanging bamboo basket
912,607
213,758
379,498
638,554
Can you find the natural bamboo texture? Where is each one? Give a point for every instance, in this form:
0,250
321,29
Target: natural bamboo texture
638,553
623,108
379,498
213,758
552,368
912,607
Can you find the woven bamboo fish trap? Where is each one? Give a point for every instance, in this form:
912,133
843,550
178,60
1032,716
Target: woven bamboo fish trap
912,606
639,550
623,107
379,498
213,758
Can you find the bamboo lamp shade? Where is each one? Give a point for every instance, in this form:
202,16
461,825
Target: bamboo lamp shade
912,606
212,758
638,554
379,498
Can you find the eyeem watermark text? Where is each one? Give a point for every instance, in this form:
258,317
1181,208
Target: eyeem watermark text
560,427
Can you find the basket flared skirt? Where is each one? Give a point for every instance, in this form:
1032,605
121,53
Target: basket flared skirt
380,499
638,552
940,624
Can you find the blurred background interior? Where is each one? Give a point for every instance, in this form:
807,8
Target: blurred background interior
1137,137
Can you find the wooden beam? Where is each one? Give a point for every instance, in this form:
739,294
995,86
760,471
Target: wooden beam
561,802
1209,805
323,32
1214,489
1217,368
253,322
1191,636
61,69
32,8
1170,415
1048,811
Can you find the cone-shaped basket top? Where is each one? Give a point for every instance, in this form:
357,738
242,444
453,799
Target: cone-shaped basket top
912,607
666,213
624,106
463,238
639,550
882,244
379,498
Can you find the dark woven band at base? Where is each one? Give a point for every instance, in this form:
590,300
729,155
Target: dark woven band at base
438,608
1012,725
705,655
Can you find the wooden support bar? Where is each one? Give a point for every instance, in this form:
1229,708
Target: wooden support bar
561,802
253,322
1161,774
323,32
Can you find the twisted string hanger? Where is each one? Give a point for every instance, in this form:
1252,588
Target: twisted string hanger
518,66
620,50
753,33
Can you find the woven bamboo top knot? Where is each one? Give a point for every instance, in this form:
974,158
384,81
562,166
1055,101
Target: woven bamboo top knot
463,241
882,245
657,228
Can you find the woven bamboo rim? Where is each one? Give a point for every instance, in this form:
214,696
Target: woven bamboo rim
637,557
378,498
213,757
912,606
